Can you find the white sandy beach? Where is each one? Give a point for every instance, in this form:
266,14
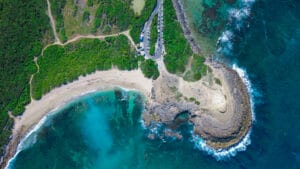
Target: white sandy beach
100,80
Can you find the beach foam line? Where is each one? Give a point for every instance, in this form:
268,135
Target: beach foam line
253,93
236,19
225,46
221,154
27,141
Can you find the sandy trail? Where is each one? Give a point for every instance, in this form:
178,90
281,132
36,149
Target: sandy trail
31,77
52,22
78,37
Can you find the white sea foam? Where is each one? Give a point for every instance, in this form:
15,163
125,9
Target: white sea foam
226,36
225,42
221,154
225,45
239,14
251,90
236,18
29,139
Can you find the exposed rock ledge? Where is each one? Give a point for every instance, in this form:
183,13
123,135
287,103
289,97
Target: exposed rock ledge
223,116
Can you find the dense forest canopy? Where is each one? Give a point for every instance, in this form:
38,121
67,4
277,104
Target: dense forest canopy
25,29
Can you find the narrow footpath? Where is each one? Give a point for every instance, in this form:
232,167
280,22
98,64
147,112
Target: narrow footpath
52,22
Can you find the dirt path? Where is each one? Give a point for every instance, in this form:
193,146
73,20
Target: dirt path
126,33
31,77
58,42
52,21
78,37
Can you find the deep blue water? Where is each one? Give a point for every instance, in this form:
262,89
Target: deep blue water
269,49
103,130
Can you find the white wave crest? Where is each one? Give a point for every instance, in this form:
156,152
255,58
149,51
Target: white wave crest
236,18
239,14
29,139
221,154
224,42
251,90
226,36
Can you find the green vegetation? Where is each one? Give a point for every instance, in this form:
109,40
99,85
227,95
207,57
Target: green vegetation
198,69
139,20
86,16
218,81
150,69
193,99
153,35
57,7
79,18
107,16
91,2
177,47
113,14
24,28
178,95
62,64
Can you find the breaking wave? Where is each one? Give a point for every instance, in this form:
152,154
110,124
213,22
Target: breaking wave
221,154
30,137
237,19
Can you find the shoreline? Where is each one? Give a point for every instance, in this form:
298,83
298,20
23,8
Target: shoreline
222,120
60,96
165,105
242,119
237,91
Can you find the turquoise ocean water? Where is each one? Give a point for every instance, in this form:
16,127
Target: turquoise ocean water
103,130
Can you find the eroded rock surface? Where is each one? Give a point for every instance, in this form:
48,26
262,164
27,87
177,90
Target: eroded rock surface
220,113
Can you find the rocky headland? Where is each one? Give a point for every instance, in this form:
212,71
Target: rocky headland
220,112
218,105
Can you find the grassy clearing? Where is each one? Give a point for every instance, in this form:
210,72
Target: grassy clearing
113,15
104,17
138,6
139,20
79,19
